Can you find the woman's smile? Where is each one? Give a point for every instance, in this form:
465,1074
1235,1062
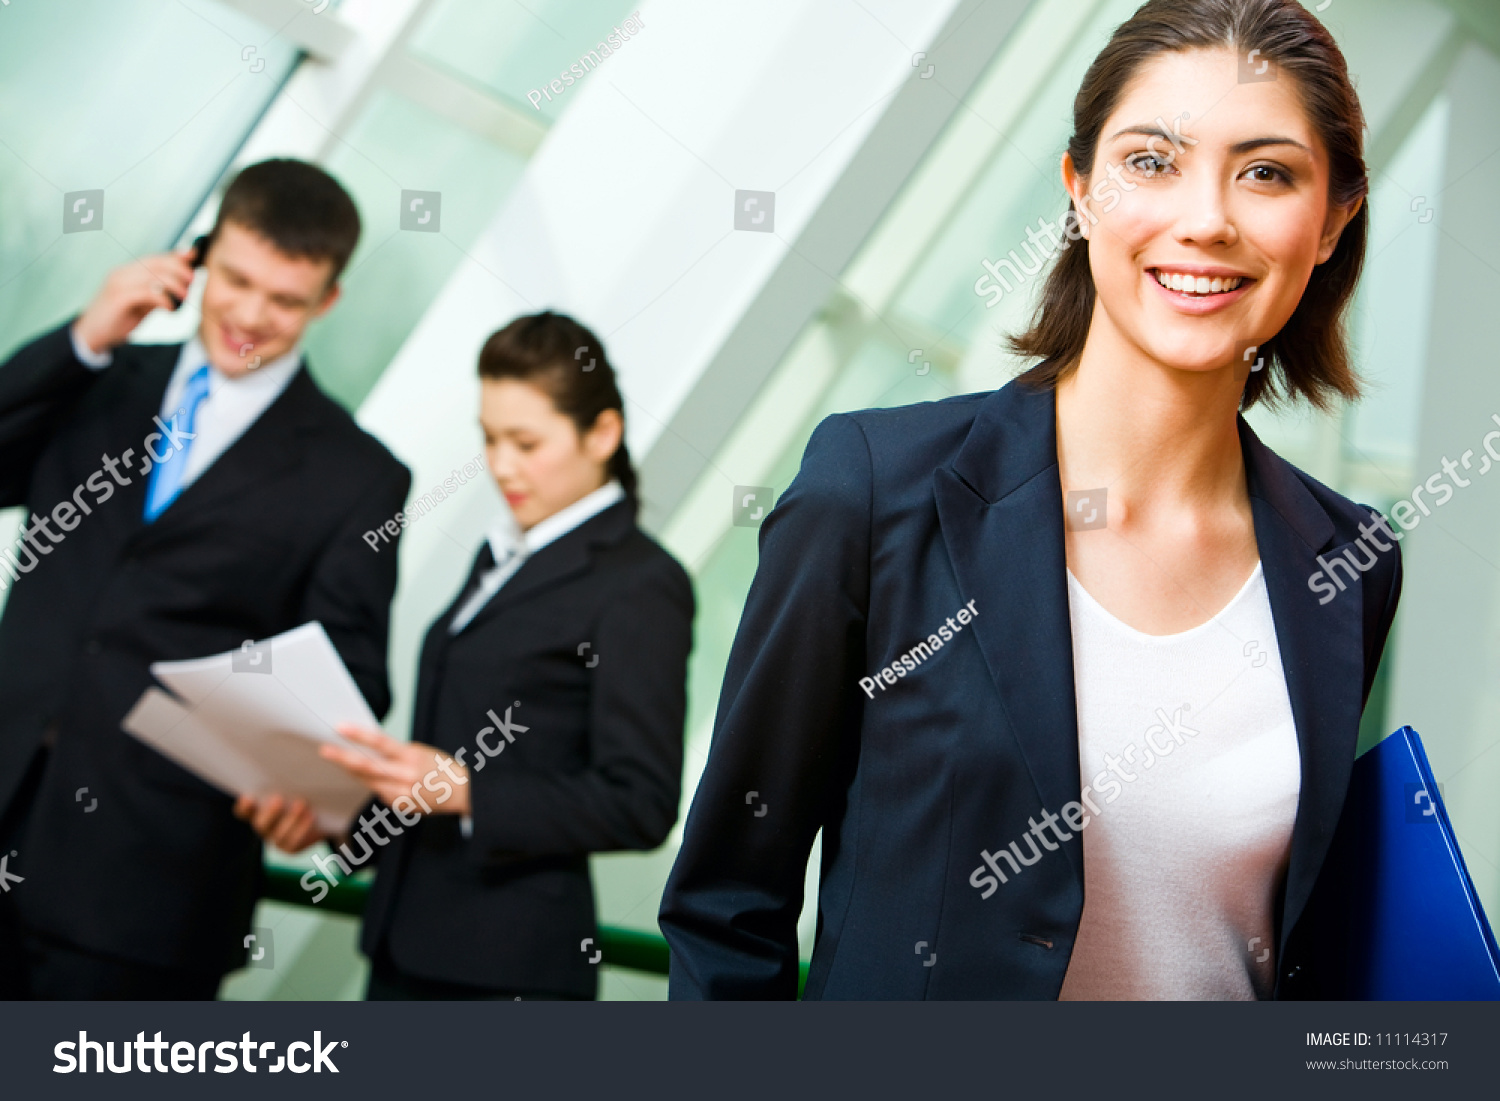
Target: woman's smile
1199,291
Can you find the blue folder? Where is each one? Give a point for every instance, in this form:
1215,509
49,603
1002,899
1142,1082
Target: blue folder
1395,916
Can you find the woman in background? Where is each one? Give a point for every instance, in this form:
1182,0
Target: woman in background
550,702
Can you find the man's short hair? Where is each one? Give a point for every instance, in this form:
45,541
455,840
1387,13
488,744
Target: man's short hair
298,207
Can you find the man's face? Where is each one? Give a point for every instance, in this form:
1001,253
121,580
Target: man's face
258,300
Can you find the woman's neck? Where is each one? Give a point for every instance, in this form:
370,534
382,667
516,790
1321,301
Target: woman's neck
1147,431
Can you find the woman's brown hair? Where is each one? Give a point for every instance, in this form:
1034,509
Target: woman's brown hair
1309,357
566,361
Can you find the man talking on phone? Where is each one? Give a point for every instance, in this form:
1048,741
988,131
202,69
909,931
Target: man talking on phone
179,500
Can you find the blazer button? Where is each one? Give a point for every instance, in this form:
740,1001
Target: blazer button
92,646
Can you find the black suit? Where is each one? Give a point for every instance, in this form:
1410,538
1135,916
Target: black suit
268,537
897,519
587,644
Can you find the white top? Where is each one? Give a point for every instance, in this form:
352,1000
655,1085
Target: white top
231,407
511,546
1187,747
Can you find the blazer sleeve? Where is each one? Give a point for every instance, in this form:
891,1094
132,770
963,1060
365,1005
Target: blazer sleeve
787,713
39,385
351,587
627,797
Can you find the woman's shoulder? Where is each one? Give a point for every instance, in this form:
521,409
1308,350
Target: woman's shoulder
638,559
891,446
924,425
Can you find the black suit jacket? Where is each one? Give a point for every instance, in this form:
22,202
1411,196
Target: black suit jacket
896,520
587,644
268,537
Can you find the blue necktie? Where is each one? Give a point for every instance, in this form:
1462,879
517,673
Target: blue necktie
166,477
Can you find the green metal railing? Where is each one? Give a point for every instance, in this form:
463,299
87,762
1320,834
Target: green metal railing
627,948
620,947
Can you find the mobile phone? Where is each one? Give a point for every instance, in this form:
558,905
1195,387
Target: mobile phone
195,258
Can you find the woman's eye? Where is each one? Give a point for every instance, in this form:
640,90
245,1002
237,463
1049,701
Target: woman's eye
1265,173
1147,164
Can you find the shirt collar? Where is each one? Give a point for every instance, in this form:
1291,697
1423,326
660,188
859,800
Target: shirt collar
268,376
506,536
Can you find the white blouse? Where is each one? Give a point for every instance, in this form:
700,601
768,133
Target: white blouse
1188,744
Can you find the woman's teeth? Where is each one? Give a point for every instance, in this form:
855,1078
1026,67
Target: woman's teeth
1187,284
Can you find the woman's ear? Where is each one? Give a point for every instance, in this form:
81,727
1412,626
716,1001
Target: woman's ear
1333,227
1077,186
603,438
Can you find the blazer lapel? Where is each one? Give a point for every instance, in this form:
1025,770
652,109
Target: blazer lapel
435,648
1322,654
271,445
146,374
1000,509
559,560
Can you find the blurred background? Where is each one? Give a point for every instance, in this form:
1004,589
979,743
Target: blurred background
894,145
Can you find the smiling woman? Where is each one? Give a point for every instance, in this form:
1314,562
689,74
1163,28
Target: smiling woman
1225,147
1216,183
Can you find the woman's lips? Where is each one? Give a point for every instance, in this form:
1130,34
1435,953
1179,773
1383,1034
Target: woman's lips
1198,304
514,499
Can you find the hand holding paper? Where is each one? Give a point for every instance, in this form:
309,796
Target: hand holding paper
252,722
290,825
392,769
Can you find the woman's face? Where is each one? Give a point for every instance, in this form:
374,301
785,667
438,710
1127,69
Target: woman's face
539,459
1216,187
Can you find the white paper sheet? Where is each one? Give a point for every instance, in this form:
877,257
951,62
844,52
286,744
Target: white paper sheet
251,722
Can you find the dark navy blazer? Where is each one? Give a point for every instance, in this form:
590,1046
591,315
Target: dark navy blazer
897,519
590,639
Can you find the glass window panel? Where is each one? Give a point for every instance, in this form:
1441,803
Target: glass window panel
512,49
1391,328
144,101
395,274
1020,185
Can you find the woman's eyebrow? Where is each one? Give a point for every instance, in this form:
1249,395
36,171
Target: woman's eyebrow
1145,131
1258,143
1238,148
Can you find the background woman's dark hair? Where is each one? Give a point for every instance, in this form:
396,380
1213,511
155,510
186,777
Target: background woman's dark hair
566,362
1309,357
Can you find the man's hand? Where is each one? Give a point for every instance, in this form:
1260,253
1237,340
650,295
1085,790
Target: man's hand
291,827
403,768
129,293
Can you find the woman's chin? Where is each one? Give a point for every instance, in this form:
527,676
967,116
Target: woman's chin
1194,359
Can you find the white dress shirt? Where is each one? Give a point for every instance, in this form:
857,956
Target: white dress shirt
232,405
511,546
